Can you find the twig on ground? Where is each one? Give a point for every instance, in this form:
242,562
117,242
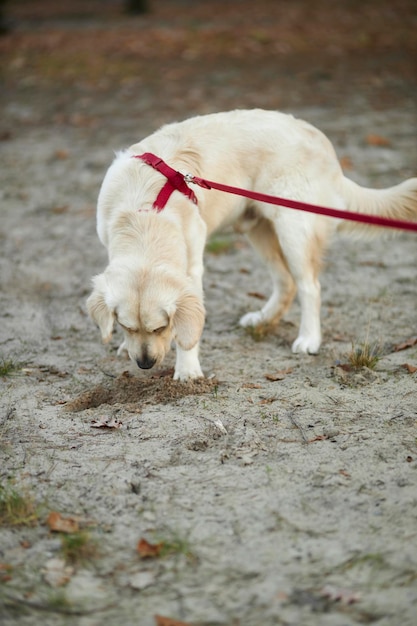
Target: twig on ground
297,424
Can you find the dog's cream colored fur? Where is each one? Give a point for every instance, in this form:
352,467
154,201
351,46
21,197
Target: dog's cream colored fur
152,286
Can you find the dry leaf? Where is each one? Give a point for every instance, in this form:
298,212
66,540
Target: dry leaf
377,140
410,368
61,154
60,524
60,209
106,422
149,550
57,573
280,375
344,473
257,294
344,596
318,438
168,621
409,343
267,400
346,163
5,572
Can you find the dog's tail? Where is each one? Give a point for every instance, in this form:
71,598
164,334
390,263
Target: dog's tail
398,202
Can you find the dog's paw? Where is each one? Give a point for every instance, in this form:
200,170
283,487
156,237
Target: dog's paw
306,345
252,319
188,374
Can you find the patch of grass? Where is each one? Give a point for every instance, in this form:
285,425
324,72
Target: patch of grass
273,417
8,366
364,355
176,545
372,560
16,508
259,332
219,245
78,548
58,602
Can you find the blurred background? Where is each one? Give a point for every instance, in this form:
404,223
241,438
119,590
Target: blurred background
83,61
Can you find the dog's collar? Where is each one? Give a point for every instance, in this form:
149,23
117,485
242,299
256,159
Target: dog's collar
175,180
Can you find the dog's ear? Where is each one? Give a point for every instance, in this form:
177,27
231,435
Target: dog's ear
98,309
188,320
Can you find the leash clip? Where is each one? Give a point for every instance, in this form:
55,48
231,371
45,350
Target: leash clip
189,178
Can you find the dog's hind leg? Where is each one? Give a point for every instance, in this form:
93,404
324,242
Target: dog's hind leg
304,262
265,241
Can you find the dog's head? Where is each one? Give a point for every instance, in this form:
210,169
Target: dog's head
152,307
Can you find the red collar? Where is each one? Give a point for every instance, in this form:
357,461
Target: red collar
175,180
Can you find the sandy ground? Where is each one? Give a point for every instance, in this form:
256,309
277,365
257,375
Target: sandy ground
282,488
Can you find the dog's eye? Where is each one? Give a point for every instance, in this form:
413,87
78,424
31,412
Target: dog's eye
159,330
127,329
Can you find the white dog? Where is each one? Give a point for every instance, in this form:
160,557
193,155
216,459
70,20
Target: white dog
152,286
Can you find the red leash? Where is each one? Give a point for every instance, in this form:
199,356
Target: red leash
178,181
375,220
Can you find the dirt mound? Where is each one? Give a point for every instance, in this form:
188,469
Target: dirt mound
133,392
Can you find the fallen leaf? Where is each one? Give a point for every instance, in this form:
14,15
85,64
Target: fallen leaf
60,524
106,422
344,596
346,163
57,573
257,294
344,473
279,375
318,438
82,121
5,572
343,338
282,596
409,343
160,620
149,550
410,368
61,154
59,210
267,400
377,140
346,367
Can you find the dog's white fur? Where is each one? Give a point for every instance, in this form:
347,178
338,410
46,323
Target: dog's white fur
153,284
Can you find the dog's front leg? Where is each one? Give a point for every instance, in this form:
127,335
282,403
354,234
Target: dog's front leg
122,350
187,365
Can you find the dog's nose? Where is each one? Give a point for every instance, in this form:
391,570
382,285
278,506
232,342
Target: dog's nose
146,363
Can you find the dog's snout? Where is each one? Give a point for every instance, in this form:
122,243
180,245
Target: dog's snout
146,362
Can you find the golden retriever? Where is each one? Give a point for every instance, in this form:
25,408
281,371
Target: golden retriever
152,287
